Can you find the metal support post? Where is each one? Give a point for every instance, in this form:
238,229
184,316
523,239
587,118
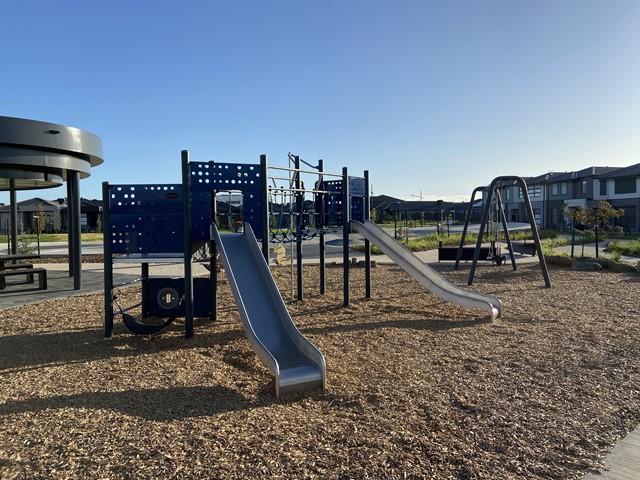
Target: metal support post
14,217
367,244
346,227
264,185
320,225
75,233
299,225
186,213
107,260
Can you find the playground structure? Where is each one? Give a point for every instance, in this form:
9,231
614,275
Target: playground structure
151,224
492,202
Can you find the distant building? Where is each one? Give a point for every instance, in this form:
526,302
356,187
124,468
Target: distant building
55,213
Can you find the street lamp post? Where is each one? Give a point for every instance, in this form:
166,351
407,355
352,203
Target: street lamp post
421,210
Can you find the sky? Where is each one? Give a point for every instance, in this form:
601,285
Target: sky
432,97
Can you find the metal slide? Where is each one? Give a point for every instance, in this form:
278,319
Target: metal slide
296,363
423,273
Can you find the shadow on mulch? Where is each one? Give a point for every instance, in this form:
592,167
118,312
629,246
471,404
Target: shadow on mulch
33,351
161,404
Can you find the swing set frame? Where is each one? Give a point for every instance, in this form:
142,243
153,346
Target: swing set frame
494,190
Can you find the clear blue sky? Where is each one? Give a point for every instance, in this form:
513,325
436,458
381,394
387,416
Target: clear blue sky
430,96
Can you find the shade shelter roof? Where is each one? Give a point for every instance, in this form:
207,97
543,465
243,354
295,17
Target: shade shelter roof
36,155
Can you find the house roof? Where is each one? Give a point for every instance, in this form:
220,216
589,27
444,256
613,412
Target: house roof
631,171
584,173
31,204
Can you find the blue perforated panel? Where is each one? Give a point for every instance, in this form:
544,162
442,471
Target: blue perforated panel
357,192
146,219
200,215
226,176
240,177
332,203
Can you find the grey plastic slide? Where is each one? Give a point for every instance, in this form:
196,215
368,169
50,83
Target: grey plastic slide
296,363
423,273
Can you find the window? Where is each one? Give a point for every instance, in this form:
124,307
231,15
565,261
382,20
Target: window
583,187
535,191
554,189
627,185
563,188
603,187
519,192
507,194
537,216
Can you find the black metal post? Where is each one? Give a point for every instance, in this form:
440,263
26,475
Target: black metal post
345,234
70,225
321,225
367,243
299,225
186,215
596,227
395,223
144,275
264,186
75,233
483,224
505,228
466,225
213,250
534,231
107,260
13,216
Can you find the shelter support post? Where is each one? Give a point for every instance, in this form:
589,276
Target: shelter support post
14,217
75,232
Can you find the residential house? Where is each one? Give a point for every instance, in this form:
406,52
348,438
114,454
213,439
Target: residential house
621,188
56,215
29,212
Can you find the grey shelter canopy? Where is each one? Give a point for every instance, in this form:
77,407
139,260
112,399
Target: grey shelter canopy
35,155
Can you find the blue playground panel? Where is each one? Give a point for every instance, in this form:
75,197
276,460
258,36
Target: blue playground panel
155,306
242,177
357,192
146,219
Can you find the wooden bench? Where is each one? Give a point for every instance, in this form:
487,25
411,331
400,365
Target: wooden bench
41,272
14,266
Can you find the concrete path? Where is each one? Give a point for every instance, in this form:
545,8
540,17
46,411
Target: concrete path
623,463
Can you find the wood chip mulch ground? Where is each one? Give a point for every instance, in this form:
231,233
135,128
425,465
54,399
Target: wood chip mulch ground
417,388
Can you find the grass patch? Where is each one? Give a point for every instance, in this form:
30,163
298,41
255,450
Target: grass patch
428,242
62,237
629,248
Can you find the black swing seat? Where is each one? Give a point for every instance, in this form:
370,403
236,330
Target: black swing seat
136,326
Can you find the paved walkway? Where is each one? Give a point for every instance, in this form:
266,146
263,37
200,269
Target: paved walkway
623,463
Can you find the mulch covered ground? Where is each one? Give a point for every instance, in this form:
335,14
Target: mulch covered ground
417,388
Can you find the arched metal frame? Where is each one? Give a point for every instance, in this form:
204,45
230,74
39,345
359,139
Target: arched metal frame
495,186
36,155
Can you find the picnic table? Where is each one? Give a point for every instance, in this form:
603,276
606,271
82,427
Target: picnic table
10,266
14,257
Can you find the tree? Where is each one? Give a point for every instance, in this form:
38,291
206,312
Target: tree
42,219
598,219
602,216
